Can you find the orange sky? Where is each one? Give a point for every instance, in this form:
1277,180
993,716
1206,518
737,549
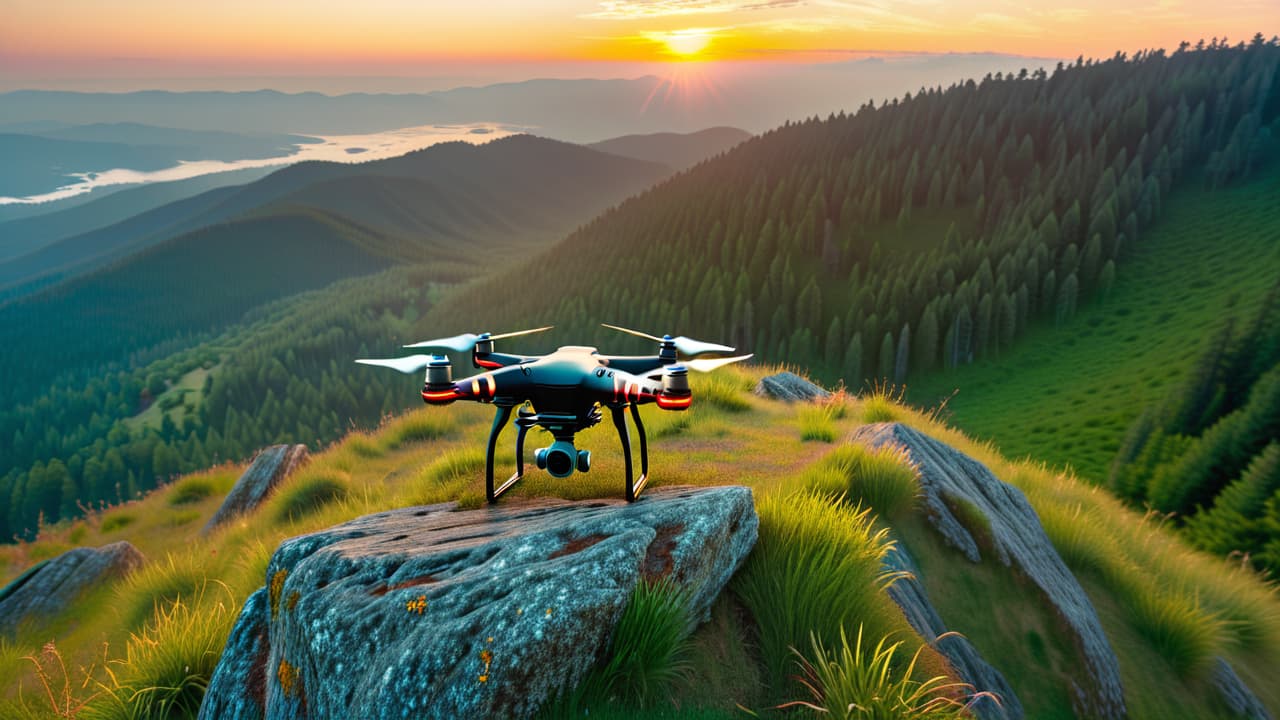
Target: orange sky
511,39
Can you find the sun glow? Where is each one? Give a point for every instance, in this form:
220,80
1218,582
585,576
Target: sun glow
685,43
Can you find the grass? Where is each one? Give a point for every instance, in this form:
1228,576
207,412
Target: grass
811,572
193,488
1066,395
646,656
817,422
313,489
168,665
858,681
883,479
150,590
815,554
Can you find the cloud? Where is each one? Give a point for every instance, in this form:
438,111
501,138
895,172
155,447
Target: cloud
633,9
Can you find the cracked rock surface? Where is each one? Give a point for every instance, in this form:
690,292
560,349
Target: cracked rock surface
432,612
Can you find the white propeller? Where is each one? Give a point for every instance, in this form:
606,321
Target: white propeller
408,364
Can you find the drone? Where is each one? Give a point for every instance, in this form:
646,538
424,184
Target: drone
563,393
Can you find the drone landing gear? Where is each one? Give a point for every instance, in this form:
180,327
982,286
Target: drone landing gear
527,420
500,421
634,487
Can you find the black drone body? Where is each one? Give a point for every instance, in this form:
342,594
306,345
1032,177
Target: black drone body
563,393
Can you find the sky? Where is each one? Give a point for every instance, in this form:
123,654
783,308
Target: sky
408,45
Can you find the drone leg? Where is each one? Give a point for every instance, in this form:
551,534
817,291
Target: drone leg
499,421
620,422
644,455
519,465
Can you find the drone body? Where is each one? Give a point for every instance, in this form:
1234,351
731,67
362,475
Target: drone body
563,393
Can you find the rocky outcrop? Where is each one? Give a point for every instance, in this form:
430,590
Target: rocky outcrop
1235,694
949,478
790,387
432,612
970,667
47,588
269,467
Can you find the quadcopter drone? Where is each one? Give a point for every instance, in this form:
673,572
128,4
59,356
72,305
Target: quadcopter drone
563,393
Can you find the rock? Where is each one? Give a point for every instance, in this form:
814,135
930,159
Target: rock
910,595
47,588
1238,697
269,467
790,387
432,612
948,477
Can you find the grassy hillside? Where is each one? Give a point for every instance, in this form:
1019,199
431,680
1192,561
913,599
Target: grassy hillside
1166,609
1067,394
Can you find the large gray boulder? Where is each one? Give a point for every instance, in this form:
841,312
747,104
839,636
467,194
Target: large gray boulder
948,477
790,387
47,588
270,466
432,612
910,595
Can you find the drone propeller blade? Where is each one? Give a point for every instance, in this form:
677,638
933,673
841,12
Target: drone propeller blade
686,346
406,365
458,343
520,332
466,342
637,333
692,348
709,364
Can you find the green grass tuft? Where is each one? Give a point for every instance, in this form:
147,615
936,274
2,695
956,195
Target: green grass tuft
191,489
883,479
647,653
417,426
309,493
117,521
721,390
816,568
818,422
167,666
864,682
150,590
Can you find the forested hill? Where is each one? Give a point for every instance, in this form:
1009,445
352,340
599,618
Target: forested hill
928,231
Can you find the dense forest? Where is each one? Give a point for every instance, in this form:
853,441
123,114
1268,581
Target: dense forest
1210,452
910,237
283,375
897,240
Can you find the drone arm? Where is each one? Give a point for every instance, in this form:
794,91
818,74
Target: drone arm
495,360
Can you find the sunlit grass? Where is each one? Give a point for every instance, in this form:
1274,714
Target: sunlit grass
817,422
168,664
158,584
310,491
883,479
857,681
816,568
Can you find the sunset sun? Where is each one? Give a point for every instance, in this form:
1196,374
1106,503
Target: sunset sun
685,43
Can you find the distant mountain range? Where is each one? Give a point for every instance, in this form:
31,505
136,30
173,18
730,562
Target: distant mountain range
577,110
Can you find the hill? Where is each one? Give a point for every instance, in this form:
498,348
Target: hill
875,245
1167,611
1213,255
444,216
543,184
675,150
27,234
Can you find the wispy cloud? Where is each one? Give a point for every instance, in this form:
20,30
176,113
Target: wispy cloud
635,9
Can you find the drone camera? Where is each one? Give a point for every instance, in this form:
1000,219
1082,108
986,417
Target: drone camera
561,459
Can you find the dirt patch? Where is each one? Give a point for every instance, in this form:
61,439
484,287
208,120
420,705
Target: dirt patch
576,545
380,590
658,562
